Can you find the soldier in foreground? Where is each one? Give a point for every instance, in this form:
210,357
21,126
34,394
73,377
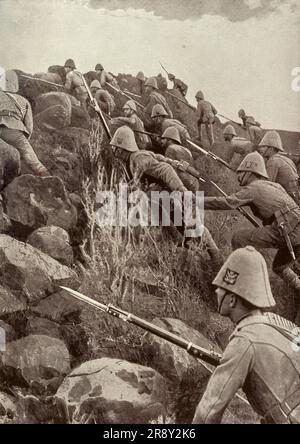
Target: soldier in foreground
277,210
206,113
262,356
16,124
132,120
161,120
280,169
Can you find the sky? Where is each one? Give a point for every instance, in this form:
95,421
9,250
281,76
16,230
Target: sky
240,53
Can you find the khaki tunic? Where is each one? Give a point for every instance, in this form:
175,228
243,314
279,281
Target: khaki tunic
262,361
183,132
282,170
155,98
136,124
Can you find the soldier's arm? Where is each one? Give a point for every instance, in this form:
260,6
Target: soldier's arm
28,119
120,120
226,380
239,199
272,170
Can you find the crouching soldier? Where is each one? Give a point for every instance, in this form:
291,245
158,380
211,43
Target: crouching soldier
277,210
280,168
16,124
105,100
262,356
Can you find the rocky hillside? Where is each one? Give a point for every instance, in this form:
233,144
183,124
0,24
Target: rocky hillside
65,362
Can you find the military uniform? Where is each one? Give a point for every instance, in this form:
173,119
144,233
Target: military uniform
238,145
75,85
178,152
206,113
135,123
180,86
262,360
16,126
282,170
105,100
155,98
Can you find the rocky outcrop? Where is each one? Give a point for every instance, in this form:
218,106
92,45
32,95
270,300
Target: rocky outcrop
9,303
110,391
9,164
36,361
53,111
35,201
24,268
54,241
59,307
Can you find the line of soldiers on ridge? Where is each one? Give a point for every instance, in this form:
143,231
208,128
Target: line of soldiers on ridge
263,354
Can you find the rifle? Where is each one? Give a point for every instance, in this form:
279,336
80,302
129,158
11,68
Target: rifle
96,108
210,357
180,100
125,95
186,167
210,154
132,94
42,80
164,69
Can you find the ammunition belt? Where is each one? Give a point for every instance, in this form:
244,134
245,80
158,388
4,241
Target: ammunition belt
281,413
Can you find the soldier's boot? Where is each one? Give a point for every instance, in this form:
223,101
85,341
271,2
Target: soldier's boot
292,280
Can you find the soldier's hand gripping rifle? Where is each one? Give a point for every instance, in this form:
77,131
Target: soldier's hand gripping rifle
185,166
208,356
210,154
97,108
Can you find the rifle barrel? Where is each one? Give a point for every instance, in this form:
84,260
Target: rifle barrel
210,154
125,95
180,100
42,80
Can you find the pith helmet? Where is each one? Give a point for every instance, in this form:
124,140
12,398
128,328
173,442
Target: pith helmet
253,163
124,138
151,82
95,84
70,64
245,273
140,76
199,95
250,120
272,138
242,113
11,82
158,110
130,104
171,133
229,130
99,67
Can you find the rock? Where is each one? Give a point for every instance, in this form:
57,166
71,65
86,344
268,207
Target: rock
60,70
52,111
9,303
9,164
54,241
145,280
76,339
80,118
9,333
59,308
36,201
36,361
25,268
111,391
73,139
49,77
41,326
8,407
171,360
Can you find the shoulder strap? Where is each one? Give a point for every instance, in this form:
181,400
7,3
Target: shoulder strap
12,99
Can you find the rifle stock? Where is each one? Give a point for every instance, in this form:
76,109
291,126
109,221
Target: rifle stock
208,356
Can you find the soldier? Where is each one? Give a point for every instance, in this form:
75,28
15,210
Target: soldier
235,145
262,356
105,77
278,211
162,122
104,99
74,83
178,84
141,80
254,131
280,168
174,150
16,124
154,97
242,115
206,113
132,120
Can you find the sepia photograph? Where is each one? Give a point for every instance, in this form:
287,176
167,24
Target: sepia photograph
149,215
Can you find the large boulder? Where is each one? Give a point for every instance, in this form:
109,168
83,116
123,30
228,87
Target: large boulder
54,241
36,361
9,163
111,391
52,111
59,307
170,359
37,201
27,269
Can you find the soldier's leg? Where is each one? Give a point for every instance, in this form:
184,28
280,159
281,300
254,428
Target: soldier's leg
18,140
200,132
262,237
209,132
